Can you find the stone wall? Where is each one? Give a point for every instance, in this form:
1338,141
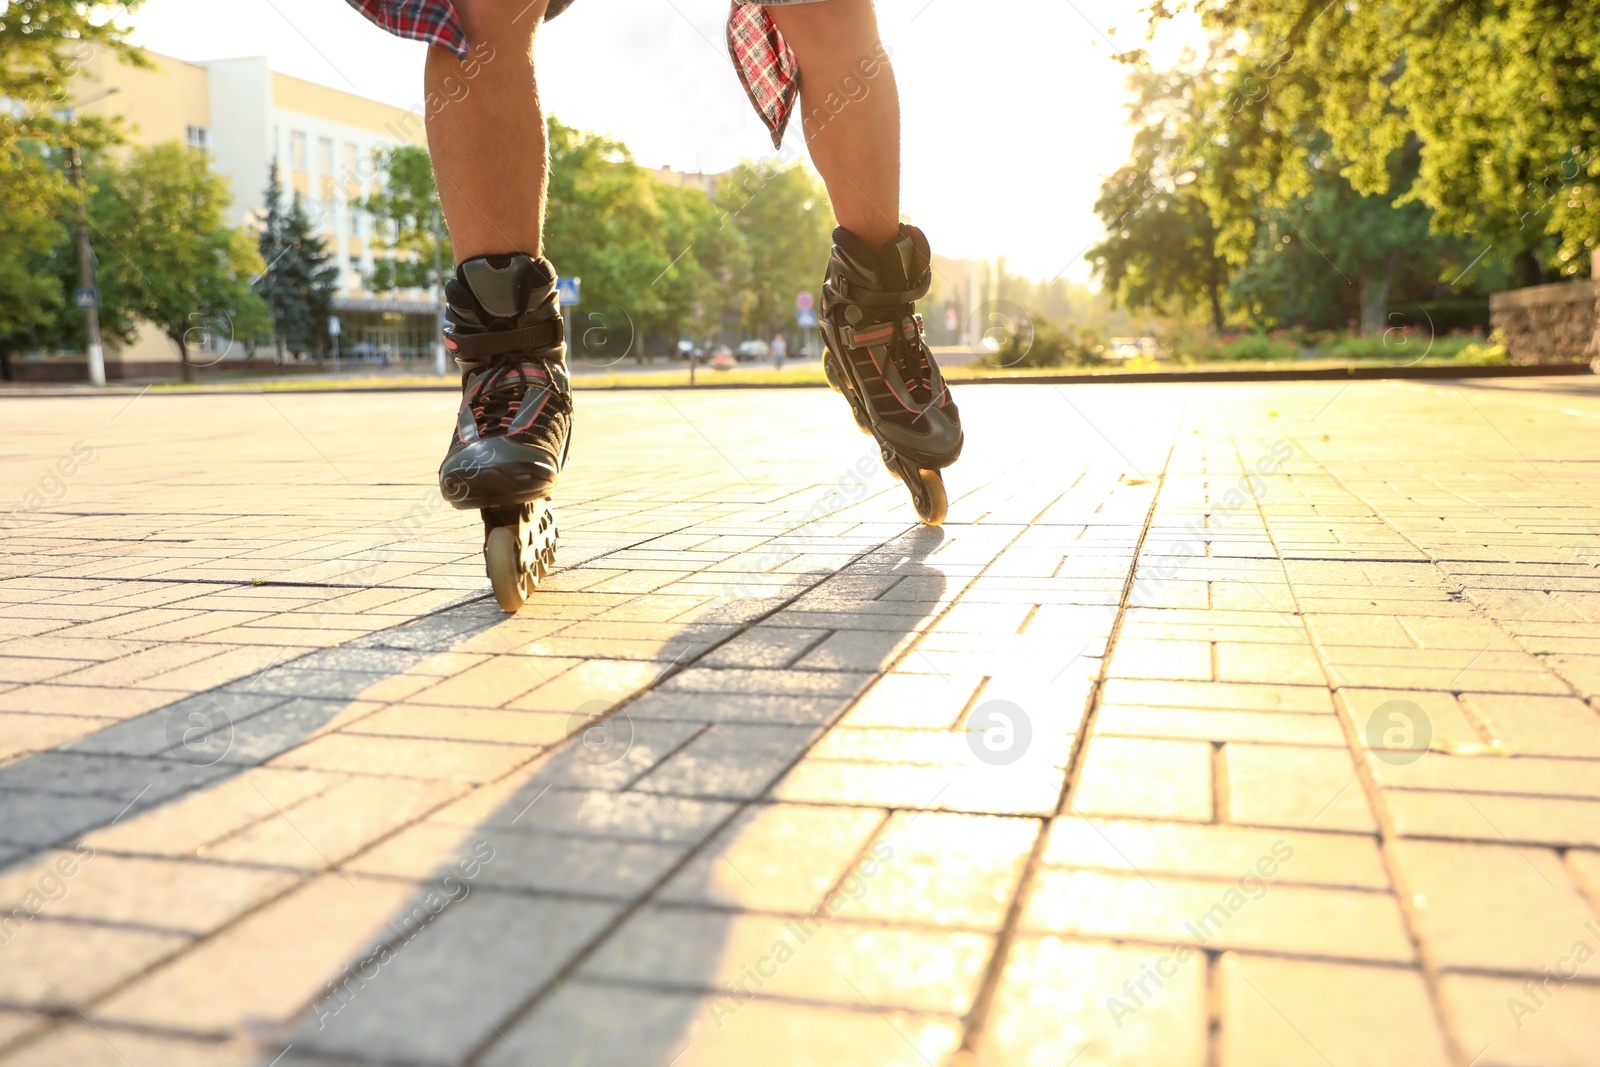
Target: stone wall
1548,323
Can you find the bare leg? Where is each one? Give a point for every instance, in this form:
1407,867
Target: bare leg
487,136
850,108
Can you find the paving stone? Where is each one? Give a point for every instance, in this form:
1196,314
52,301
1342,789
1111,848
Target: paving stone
1254,913
975,788
465,724
51,965
466,972
729,760
459,761
820,959
779,858
593,686
619,1026
1493,818
1218,696
187,825
261,970
1228,852
1508,1022
521,860
333,825
84,1045
160,894
1061,1001
1276,785
772,683
1300,1013
589,812
942,869
1158,779
1181,724
1539,726
1496,907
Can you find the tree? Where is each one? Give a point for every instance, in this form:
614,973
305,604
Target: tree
1336,254
1161,246
1500,97
171,258
301,274
43,46
409,223
782,216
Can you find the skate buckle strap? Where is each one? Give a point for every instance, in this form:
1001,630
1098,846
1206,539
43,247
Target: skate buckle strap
879,334
541,336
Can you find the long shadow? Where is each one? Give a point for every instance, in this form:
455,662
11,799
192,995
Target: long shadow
574,907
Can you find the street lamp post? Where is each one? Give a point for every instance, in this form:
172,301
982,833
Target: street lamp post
90,300
438,293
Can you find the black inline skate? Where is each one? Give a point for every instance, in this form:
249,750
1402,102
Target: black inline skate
878,358
504,326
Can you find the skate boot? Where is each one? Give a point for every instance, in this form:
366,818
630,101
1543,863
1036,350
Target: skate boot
503,324
877,357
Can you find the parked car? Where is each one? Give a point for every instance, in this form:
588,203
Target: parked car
753,350
722,358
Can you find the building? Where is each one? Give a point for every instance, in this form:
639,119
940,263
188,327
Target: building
246,116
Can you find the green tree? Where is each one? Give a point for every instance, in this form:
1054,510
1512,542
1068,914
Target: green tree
409,223
1161,248
301,275
784,221
171,259
1335,254
44,45
605,226
1502,98
692,291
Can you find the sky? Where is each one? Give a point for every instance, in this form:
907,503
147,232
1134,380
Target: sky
1013,110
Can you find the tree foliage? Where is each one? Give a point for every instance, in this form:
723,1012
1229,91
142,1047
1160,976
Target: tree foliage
409,234
1502,98
657,261
300,276
168,257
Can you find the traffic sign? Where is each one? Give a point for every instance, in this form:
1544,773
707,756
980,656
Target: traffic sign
85,297
571,290
805,302
805,318
334,326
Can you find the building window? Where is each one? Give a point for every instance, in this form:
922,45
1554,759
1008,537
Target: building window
355,223
352,163
325,157
297,151
199,137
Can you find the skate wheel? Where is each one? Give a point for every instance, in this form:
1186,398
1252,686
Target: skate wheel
929,498
502,558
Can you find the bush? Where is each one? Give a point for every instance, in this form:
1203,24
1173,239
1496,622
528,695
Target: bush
1397,346
1253,347
1041,343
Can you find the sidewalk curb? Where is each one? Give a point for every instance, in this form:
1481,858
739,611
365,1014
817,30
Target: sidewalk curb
1320,374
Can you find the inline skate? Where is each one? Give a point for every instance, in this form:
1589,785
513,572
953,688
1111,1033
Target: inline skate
878,358
503,324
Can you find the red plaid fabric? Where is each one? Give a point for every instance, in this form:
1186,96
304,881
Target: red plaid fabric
762,58
432,21
765,64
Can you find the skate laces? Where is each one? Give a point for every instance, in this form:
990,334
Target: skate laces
497,397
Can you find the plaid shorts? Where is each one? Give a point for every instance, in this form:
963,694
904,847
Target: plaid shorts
762,58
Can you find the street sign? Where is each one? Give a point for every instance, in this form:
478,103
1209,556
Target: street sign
805,302
85,297
334,328
951,320
805,318
571,290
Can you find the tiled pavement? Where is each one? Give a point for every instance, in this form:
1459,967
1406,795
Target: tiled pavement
1301,681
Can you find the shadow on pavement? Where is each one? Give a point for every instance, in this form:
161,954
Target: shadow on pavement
579,908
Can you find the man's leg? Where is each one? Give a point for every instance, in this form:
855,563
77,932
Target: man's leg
857,149
503,323
488,146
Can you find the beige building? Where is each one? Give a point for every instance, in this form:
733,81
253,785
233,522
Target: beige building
247,116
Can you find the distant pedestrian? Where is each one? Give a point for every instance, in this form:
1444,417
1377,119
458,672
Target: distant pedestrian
780,351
